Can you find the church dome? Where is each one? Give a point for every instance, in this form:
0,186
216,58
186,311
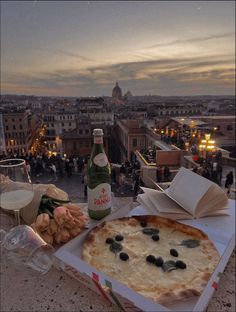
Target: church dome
128,94
117,92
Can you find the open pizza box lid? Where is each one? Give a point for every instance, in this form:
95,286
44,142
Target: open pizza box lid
68,258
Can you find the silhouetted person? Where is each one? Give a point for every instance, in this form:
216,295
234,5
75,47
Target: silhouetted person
206,173
166,173
219,173
229,181
159,174
122,169
136,184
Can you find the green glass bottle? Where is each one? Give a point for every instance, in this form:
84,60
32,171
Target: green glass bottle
99,179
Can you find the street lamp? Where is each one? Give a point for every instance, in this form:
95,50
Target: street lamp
207,144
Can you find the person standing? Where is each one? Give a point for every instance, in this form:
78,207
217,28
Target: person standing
158,174
136,184
67,167
214,171
166,173
219,173
229,181
85,186
28,167
54,171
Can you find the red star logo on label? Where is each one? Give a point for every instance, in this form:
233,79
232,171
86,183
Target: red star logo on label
214,285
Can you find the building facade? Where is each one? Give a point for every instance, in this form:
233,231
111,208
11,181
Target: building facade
131,135
20,129
79,142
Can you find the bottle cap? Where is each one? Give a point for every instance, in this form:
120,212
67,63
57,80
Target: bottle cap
97,132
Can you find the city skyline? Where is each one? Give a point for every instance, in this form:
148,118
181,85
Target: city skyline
82,48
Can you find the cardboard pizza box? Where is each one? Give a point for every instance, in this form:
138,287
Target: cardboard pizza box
221,230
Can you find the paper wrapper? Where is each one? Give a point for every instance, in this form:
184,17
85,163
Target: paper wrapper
30,212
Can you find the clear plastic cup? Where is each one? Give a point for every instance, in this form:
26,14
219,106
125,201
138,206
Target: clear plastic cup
25,247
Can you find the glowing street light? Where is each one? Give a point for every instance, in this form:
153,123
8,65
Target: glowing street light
207,144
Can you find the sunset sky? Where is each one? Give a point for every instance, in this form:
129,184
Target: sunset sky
81,48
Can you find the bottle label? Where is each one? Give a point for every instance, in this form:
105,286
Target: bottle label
100,160
99,198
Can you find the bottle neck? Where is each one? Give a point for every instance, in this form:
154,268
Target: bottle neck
98,140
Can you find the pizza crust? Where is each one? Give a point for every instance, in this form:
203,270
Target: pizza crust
145,278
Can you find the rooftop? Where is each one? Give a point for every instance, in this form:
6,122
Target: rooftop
189,121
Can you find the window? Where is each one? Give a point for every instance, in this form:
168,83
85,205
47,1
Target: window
69,123
21,127
6,127
80,131
229,128
86,131
74,145
62,124
134,142
52,125
13,120
14,127
142,142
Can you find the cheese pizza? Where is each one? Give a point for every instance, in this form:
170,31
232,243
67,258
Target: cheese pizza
159,258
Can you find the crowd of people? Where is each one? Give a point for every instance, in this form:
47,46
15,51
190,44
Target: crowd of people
58,166
163,174
129,177
210,167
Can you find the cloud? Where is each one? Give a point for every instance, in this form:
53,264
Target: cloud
208,75
192,40
67,53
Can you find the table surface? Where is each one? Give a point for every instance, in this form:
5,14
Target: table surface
25,290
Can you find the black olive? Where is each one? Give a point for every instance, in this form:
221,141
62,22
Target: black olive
151,259
155,237
174,253
180,264
124,256
150,231
159,261
109,240
115,247
119,238
143,223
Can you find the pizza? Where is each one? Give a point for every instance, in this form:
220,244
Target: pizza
159,258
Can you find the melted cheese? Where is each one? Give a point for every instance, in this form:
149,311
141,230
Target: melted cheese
137,273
